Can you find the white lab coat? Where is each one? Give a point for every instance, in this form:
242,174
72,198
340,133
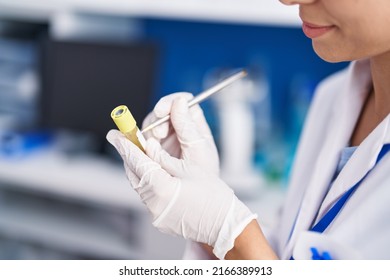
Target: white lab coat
362,228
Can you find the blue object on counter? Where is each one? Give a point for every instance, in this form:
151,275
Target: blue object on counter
18,143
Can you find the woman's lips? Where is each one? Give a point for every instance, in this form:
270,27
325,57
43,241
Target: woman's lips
313,31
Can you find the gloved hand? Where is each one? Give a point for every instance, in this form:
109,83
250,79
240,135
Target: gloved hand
183,197
194,136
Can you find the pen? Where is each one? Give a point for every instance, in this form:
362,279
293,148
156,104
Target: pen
200,97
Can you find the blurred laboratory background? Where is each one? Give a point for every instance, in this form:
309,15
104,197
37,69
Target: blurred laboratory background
65,64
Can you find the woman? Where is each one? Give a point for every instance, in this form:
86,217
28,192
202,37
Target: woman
338,199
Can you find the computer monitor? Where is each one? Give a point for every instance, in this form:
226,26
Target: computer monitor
83,82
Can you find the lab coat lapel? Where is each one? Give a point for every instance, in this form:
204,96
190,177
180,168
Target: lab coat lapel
365,156
363,159
342,122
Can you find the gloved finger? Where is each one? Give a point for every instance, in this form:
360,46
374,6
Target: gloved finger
196,113
113,138
164,107
148,120
130,153
172,165
150,173
172,145
133,179
159,132
186,129
131,176
201,122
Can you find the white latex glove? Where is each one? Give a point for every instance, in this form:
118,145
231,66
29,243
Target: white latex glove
197,139
184,198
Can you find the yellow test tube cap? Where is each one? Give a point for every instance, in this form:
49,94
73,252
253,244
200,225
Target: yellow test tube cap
123,119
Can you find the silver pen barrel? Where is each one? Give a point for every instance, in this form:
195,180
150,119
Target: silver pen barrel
202,96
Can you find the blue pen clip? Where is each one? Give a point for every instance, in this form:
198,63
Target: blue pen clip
317,256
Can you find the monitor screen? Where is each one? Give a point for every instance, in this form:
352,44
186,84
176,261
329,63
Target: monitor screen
83,82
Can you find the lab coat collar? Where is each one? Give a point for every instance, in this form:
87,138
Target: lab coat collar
361,161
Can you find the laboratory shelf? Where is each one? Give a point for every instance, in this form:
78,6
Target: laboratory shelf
87,178
263,12
71,204
88,208
76,234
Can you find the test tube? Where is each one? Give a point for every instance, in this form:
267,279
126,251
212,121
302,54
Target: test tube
126,124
